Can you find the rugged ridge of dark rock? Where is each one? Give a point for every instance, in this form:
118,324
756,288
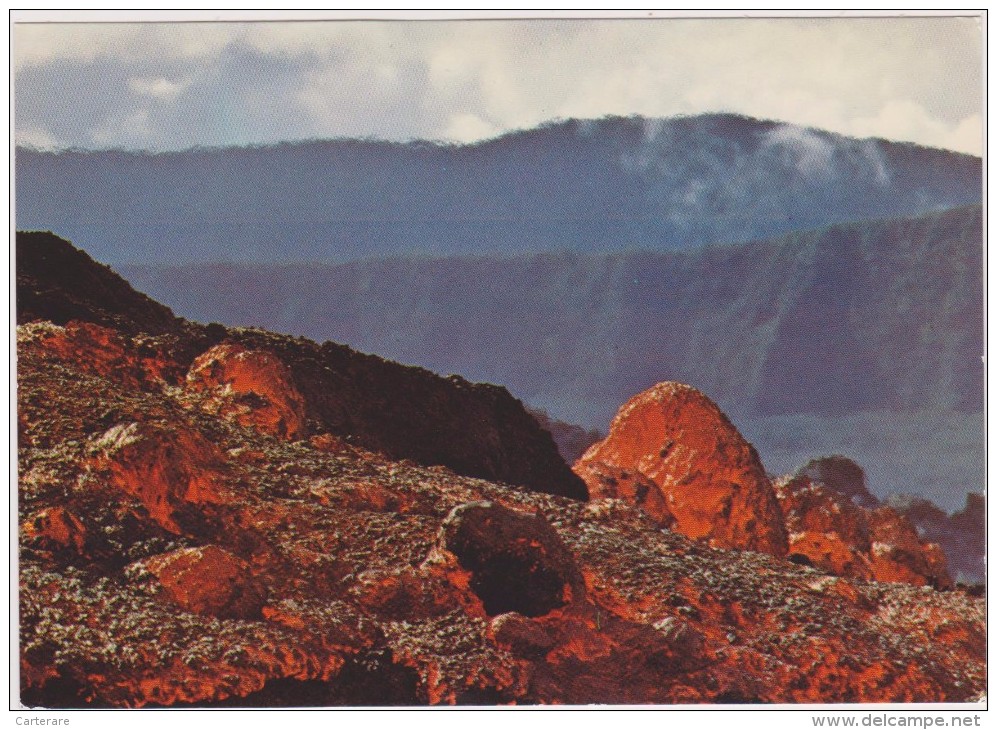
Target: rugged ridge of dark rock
477,430
59,283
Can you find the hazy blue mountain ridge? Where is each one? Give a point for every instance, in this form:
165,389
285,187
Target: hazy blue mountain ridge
586,186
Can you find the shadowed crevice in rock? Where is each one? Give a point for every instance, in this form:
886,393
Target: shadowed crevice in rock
517,562
63,692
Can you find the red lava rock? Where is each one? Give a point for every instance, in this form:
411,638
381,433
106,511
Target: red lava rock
630,659
711,478
611,482
208,581
166,468
251,387
899,554
101,351
404,593
684,639
55,526
374,497
331,444
825,526
837,535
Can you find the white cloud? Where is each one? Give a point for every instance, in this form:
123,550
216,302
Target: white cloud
469,128
131,129
910,79
810,153
907,120
37,137
40,43
158,88
967,136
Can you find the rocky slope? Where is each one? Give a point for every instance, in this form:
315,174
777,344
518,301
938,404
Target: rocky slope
175,552
192,534
961,535
407,413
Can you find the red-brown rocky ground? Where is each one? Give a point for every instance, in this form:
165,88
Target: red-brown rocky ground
175,553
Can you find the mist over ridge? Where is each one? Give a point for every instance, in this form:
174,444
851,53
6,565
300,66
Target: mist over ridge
582,185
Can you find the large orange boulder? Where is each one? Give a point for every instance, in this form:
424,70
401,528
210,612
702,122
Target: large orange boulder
252,387
710,476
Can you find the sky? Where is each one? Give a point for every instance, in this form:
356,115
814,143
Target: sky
165,86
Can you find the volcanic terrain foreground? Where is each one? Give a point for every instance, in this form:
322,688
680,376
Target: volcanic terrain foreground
186,543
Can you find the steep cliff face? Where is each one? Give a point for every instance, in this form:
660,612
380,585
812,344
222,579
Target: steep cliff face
171,555
711,478
407,413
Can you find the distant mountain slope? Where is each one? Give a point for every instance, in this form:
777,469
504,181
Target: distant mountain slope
585,186
864,316
477,430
